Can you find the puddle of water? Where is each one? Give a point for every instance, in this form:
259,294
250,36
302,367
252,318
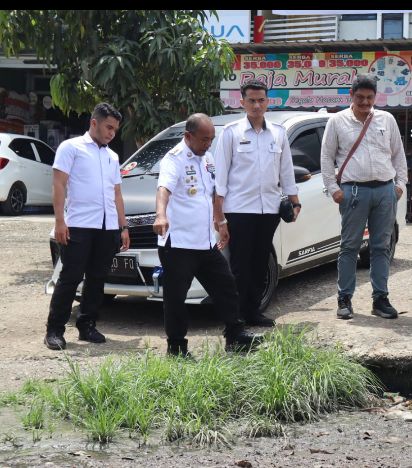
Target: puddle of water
368,438
61,443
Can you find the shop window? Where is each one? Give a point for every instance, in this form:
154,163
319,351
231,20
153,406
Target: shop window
392,26
366,17
306,150
22,148
41,84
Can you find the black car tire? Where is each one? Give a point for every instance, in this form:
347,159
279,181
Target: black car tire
364,255
16,199
271,282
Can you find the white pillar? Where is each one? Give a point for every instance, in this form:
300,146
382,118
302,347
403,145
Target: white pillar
379,26
406,25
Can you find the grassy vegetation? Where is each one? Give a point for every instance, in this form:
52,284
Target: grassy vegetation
209,400
35,417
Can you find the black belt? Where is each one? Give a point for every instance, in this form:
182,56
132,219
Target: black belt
370,183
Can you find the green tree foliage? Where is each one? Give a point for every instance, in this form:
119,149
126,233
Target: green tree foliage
157,66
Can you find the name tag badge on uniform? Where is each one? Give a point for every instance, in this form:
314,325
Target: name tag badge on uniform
190,173
192,191
245,146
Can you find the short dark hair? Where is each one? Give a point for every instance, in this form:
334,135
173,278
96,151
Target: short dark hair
193,121
104,110
253,84
364,81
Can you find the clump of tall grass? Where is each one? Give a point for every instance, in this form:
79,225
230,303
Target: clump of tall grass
11,399
35,417
296,381
287,379
30,387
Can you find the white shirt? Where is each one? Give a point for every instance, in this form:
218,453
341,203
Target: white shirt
93,173
379,156
189,178
253,169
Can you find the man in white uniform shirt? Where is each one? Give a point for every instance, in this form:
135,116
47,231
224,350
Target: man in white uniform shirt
88,229
187,243
253,167
372,181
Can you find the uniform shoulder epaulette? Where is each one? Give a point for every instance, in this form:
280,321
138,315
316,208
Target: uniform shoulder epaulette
232,123
176,150
275,124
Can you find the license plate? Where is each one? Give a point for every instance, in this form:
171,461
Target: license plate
124,265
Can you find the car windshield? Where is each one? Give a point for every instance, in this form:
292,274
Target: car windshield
147,159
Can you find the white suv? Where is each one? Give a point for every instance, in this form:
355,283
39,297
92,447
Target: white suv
311,241
25,173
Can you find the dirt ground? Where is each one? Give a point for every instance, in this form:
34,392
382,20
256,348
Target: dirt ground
347,439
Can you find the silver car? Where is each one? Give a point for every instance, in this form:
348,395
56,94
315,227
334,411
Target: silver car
311,241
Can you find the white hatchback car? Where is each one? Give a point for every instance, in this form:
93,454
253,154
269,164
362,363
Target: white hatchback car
311,241
25,173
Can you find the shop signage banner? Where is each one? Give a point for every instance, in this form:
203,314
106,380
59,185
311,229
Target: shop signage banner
232,25
321,79
335,12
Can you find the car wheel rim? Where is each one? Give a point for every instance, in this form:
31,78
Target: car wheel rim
17,200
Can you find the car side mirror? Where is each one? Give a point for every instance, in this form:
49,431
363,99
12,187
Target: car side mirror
301,174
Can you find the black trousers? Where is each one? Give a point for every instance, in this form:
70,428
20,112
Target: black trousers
211,269
250,243
88,254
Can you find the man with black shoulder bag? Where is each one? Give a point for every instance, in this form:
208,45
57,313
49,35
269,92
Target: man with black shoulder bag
367,147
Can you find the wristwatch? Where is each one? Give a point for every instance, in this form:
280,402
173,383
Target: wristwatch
221,223
295,205
124,228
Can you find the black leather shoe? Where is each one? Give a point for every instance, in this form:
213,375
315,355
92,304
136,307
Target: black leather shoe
242,341
91,334
383,308
260,320
54,341
345,309
178,348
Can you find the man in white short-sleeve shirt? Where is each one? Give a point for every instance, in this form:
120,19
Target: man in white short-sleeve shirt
253,169
86,174
187,244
